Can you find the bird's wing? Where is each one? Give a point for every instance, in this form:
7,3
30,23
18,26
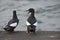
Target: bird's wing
13,24
28,23
35,24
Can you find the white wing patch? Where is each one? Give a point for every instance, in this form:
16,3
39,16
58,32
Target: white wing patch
35,24
28,23
13,24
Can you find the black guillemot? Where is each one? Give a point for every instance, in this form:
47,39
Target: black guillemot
12,24
31,21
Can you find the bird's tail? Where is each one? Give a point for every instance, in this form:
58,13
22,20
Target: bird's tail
32,28
6,28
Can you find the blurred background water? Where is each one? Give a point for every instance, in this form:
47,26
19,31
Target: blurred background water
47,13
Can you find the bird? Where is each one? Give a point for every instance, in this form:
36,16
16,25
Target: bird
31,21
13,23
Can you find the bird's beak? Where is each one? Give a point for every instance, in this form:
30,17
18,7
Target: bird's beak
28,11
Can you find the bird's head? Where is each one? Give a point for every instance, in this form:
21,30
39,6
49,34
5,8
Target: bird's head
14,11
31,10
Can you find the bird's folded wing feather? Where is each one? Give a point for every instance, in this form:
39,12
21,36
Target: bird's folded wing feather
13,24
30,24
35,24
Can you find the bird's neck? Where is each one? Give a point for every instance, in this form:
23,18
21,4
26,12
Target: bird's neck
32,14
14,16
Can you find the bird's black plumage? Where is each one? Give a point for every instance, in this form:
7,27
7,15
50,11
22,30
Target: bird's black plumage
12,24
31,20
